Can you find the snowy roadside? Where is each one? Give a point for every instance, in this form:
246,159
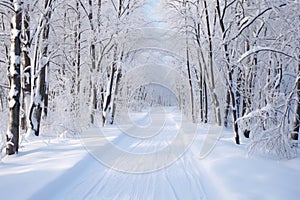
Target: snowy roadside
38,163
229,173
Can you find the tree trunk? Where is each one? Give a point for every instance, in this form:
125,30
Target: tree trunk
227,108
45,55
204,73
229,75
205,100
77,61
210,64
234,110
109,91
39,73
93,89
1,100
25,68
201,96
190,83
200,85
108,110
3,96
114,105
188,64
295,134
12,134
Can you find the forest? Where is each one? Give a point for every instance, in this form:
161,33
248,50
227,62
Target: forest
69,65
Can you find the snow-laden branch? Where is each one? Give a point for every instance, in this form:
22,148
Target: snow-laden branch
247,23
258,49
2,61
4,86
42,22
4,34
44,61
7,4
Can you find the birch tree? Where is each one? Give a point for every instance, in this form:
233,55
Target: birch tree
211,63
229,67
14,80
296,123
93,92
226,32
272,107
77,57
25,66
39,72
4,54
188,17
188,64
123,10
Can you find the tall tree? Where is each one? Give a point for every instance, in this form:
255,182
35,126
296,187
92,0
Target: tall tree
14,80
4,60
93,89
296,125
229,68
39,71
25,66
188,64
77,59
122,10
211,63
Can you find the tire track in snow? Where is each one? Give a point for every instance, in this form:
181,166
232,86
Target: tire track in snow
179,180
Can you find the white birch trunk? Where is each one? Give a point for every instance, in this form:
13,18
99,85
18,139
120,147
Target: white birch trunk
108,96
211,68
25,67
113,104
12,134
39,70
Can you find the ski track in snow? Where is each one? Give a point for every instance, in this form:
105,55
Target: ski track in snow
173,182
63,169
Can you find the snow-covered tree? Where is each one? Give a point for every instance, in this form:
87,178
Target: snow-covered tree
124,13
25,66
39,71
239,42
239,58
14,76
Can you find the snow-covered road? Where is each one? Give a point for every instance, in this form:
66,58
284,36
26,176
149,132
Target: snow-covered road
140,166
93,168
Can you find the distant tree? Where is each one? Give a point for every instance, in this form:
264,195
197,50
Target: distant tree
4,54
123,10
296,124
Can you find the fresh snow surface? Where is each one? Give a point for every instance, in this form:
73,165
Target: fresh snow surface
63,168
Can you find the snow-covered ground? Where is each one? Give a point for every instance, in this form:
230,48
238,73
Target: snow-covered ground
73,168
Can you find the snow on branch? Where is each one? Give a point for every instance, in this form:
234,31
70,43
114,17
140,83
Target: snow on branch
7,4
251,21
258,49
4,34
4,86
273,142
269,127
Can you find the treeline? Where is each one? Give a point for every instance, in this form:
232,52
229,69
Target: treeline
245,56
64,62
64,52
